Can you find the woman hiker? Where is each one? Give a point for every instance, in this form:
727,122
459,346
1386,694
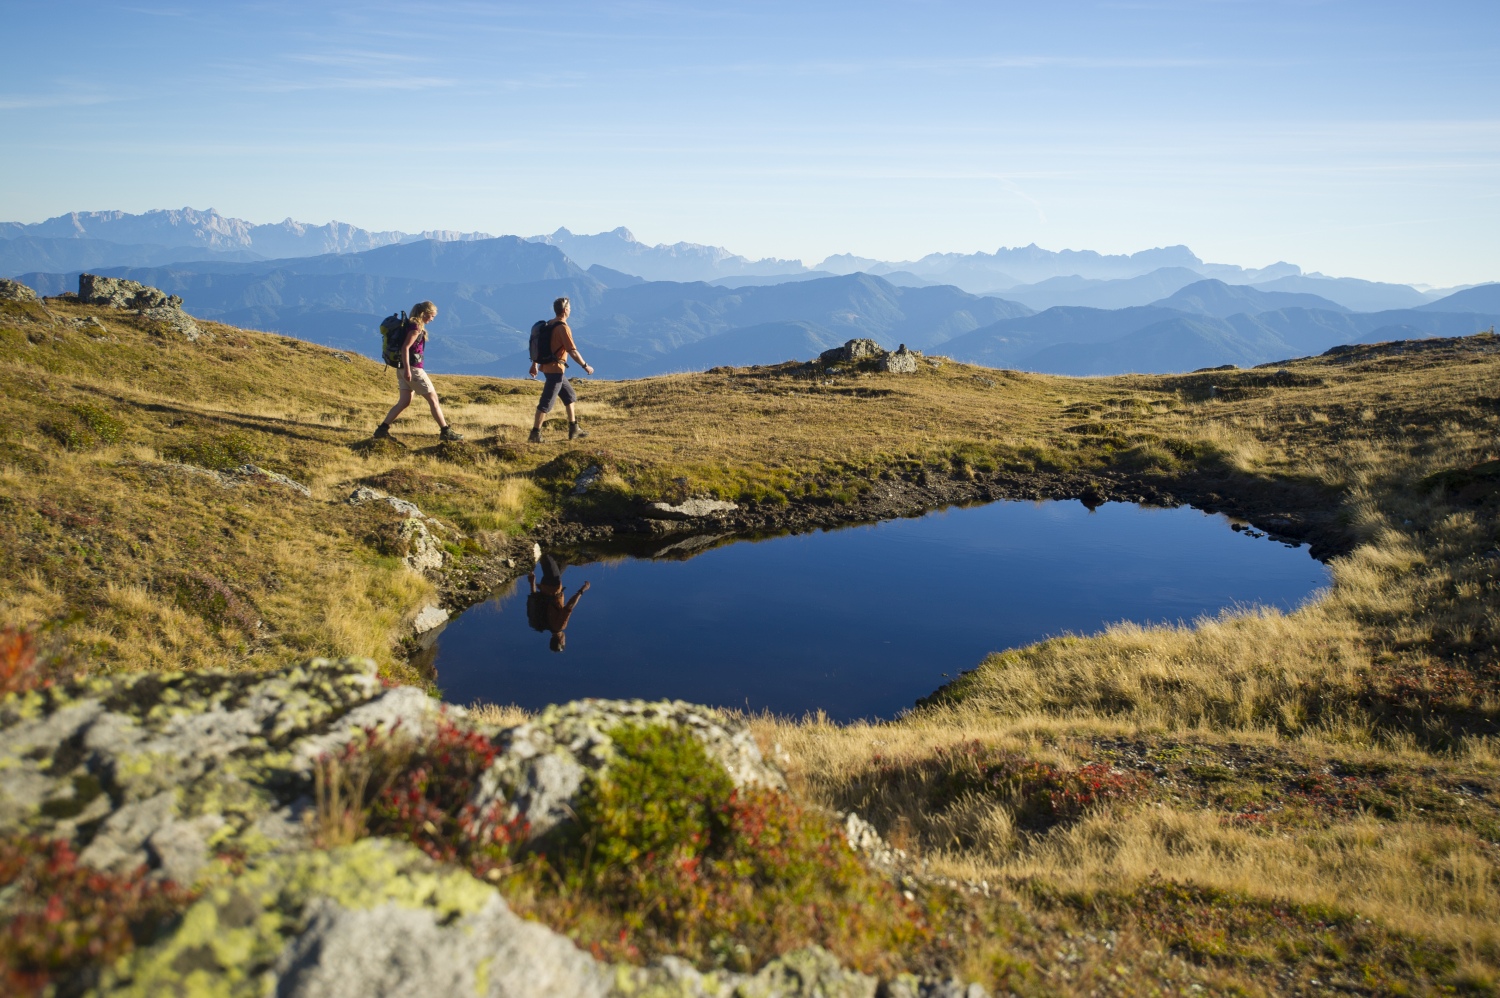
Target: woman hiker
410,377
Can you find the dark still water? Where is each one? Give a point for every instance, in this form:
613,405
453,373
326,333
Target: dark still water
860,621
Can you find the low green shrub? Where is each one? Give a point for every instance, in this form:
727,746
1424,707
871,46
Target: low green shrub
217,451
83,426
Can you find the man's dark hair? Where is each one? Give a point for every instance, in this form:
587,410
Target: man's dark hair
559,305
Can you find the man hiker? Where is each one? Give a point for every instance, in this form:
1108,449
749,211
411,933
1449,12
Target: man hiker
410,377
545,609
555,366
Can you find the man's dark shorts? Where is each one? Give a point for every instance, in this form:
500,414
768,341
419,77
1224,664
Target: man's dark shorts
556,387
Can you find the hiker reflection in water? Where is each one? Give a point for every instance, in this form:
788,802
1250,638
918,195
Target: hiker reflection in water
545,609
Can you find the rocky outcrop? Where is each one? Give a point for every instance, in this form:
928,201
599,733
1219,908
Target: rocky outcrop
152,303
903,361
206,778
852,352
15,291
864,352
117,292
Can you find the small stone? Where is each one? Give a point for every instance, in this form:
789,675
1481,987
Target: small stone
586,479
428,618
691,509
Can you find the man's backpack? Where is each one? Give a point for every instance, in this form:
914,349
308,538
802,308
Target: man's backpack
393,337
541,342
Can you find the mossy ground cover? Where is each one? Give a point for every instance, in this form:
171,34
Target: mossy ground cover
1361,728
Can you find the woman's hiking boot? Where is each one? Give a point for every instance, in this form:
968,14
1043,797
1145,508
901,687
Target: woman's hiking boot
382,432
535,438
574,432
449,433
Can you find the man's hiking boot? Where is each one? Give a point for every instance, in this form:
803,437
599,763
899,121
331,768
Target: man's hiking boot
535,438
574,432
449,433
382,432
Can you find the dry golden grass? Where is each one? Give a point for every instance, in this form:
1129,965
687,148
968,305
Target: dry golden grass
1396,664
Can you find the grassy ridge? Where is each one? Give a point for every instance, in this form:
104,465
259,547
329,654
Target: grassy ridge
1326,778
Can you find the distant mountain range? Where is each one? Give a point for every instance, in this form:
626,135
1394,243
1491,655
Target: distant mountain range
208,233
618,249
1207,324
1152,311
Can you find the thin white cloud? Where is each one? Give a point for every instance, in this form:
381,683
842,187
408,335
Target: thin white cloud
26,102
352,83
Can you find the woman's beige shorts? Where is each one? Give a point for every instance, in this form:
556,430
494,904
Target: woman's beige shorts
420,383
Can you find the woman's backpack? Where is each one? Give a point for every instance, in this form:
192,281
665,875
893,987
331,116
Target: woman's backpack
393,338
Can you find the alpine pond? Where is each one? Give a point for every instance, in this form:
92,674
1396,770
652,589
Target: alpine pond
857,622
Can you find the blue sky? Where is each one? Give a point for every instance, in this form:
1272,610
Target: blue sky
1354,138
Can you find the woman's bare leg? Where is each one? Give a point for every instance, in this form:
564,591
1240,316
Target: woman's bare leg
398,408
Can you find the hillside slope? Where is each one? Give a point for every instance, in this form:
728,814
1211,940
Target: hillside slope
1264,803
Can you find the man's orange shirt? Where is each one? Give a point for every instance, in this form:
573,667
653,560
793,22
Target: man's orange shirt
562,343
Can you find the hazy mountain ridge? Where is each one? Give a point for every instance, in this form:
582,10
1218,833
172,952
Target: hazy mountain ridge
211,230
1207,324
619,249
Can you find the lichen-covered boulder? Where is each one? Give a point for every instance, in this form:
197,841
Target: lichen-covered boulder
545,761
378,918
207,779
169,770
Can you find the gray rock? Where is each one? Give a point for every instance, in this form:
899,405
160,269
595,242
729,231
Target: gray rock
691,509
428,618
15,291
408,952
425,551
120,845
545,760
903,361
910,986
252,471
180,848
153,303
587,479
863,838
364,494
852,351
403,708
176,320
117,292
